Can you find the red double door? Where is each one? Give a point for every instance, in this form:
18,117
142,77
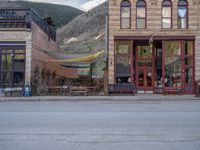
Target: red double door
144,69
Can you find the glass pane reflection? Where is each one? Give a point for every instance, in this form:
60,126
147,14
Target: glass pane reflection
188,75
6,63
173,72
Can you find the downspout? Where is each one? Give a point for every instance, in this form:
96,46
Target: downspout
106,40
198,16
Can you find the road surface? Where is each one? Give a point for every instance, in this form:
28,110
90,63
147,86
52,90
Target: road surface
100,125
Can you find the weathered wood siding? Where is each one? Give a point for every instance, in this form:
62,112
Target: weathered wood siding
154,10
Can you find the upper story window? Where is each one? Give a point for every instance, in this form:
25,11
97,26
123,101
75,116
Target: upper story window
125,14
166,14
182,14
141,14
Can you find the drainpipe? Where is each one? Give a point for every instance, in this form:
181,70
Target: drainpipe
106,70
198,17
106,40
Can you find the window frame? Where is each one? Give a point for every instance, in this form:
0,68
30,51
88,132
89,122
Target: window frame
138,18
178,16
167,6
124,55
165,56
121,19
13,70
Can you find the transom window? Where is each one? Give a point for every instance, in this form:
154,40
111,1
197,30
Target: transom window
125,14
166,14
182,14
141,14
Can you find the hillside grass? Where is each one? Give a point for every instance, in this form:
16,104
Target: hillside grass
60,14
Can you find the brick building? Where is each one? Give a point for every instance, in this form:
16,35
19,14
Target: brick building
155,44
26,40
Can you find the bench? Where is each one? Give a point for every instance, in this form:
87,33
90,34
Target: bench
173,91
78,90
13,91
58,90
121,88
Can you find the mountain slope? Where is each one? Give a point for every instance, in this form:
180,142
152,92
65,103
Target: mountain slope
60,14
85,33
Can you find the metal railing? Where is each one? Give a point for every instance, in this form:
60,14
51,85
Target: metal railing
22,18
49,30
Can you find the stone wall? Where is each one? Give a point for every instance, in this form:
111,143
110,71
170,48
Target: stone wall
153,26
197,58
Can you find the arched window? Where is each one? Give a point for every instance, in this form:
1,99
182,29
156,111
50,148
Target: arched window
125,14
182,14
166,14
141,14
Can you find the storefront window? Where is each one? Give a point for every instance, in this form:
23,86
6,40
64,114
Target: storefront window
6,78
19,62
123,49
12,70
172,48
172,63
188,48
188,76
188,65
18,78
122,66
6,63
122,61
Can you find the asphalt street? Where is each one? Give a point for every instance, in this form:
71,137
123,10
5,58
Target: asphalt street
100,125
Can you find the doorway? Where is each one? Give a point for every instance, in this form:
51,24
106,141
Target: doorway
144,65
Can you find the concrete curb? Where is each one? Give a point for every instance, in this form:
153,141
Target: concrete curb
101,98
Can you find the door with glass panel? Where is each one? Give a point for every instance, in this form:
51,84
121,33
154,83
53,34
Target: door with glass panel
145,80
188,67
144,69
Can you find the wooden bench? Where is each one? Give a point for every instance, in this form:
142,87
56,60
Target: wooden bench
121,88
13,91
173,91
58,90
78,90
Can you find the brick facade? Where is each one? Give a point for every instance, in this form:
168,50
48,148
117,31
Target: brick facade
153,27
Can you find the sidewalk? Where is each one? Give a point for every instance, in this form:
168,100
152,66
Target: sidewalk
138,97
